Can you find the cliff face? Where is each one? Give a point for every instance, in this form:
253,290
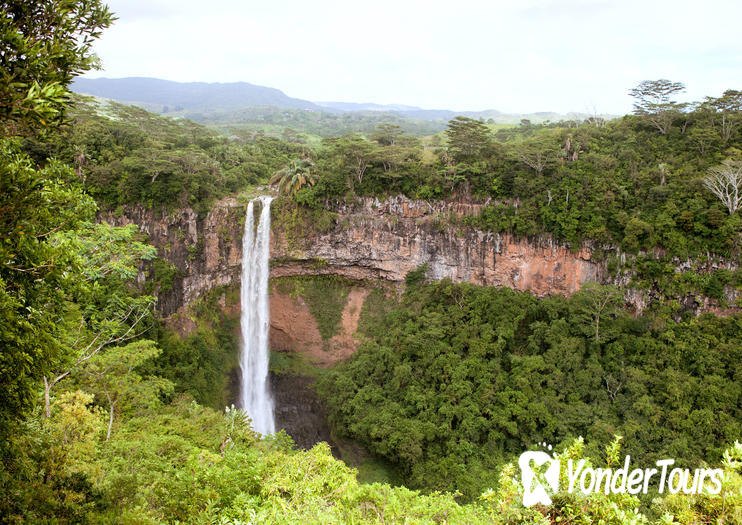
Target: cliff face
299,410
384,240
294,328
372,240
207,251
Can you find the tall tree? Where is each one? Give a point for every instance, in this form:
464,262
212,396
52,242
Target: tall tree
387,134
35,273
295,176
537,154
112,375
654,101
43,45
467,139
596,302
355,155
108,258
725,182
727,110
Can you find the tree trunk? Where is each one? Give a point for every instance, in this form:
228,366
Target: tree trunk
47,406
48,390
110,423
111,405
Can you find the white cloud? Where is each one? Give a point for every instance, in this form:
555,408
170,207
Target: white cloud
532,55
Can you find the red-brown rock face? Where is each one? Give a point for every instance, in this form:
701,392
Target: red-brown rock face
385,240
372,240
294,329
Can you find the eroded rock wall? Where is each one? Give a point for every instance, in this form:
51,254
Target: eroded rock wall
378,241
294,328
384,240
207,250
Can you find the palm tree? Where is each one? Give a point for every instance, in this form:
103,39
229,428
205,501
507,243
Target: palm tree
293,177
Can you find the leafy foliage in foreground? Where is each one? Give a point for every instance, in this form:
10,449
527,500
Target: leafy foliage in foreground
456,379
33,271
65,282
205,362
43,45
185,463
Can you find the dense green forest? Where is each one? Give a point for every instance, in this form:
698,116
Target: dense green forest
455,380
124,155
621,183
296,125
106,418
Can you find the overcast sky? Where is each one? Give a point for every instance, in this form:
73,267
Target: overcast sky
514,56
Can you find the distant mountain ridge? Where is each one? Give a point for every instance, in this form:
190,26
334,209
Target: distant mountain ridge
200,99
366,106
187,96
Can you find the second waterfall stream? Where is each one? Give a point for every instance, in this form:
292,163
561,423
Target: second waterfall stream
255,396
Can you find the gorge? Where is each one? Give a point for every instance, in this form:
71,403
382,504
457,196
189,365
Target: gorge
289,316
370,245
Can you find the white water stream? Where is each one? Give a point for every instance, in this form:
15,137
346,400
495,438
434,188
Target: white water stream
255,318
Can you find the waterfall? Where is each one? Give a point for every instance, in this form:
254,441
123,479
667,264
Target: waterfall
254,322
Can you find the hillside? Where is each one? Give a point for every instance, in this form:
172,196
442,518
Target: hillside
244,109
164,96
